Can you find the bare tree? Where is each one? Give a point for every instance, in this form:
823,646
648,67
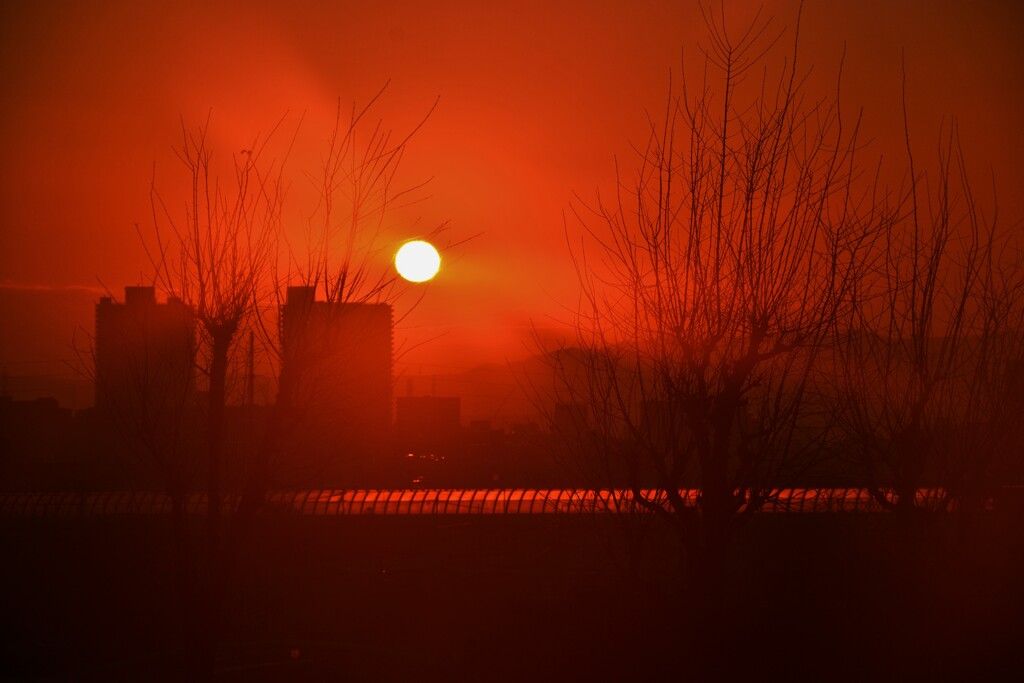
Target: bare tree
221,258
358,195
932,349
214,256
988,437
711,283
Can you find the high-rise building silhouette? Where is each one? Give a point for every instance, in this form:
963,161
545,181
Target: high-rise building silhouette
144,355
336,373
427,418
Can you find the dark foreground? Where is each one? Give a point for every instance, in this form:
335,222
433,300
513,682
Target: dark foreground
476,598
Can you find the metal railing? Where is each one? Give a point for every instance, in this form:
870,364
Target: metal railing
443,502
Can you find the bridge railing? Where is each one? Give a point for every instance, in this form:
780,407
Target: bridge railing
444,502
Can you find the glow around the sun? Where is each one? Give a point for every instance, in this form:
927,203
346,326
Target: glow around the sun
417,261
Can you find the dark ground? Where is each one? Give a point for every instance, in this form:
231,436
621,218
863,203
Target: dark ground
812,597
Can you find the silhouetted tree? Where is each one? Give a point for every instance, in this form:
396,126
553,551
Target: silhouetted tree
215,259
223,259
932,351
711,283
358,194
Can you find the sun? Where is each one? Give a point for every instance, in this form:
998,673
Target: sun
417,261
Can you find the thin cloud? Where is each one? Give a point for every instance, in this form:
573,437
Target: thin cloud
38,287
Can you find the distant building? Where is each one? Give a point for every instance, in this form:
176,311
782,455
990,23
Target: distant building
336,374
145,356
427,419
36,444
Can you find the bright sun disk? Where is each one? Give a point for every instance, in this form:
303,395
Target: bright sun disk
417,261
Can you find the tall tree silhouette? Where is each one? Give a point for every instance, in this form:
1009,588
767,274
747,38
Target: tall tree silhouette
215,258
711,283
223,259
931,354
340,264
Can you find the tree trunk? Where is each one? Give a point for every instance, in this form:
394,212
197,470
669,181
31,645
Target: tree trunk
211,589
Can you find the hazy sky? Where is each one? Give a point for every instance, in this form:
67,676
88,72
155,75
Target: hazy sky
536,100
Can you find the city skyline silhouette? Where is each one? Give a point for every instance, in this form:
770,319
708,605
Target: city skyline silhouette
512,341
515,134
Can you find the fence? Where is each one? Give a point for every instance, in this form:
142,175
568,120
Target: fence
444,502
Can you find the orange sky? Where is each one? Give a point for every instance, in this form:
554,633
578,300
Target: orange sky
536,100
